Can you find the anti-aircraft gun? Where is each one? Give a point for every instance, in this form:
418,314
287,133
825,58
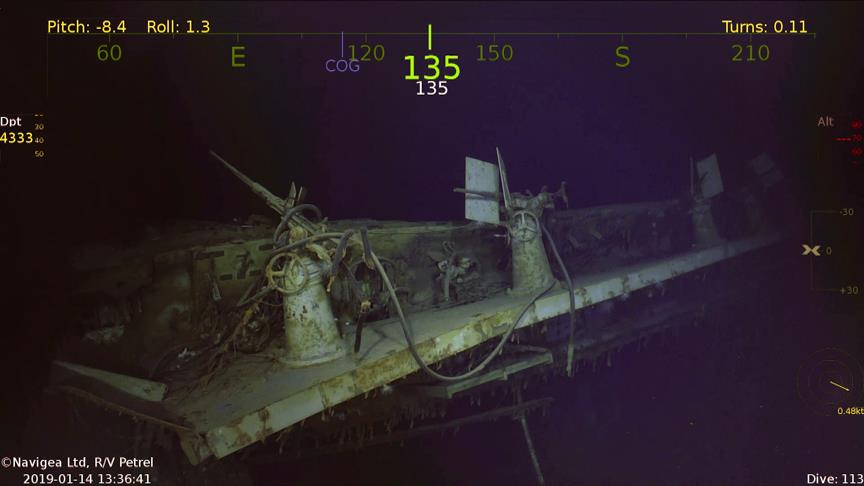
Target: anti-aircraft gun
299,262
522,219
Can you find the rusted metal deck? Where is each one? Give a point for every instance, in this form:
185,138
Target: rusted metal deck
254,397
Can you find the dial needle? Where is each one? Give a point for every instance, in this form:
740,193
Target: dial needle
839,386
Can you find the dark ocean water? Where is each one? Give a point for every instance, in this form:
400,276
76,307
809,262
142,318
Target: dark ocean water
129,144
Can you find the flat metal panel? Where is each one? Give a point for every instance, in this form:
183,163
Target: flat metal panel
234,411
505,184
152,391
481,176
708,172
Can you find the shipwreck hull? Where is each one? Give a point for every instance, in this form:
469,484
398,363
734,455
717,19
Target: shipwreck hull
611,252
244,412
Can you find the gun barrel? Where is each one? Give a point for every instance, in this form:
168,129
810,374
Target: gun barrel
273,201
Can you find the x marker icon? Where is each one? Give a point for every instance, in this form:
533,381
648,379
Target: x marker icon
811,250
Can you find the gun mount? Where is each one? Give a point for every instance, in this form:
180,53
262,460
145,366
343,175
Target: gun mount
262,317
523,213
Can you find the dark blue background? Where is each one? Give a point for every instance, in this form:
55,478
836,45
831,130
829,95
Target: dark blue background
128,144
365,146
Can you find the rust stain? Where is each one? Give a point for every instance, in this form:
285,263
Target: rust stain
402,363
431,353
479,329
336,390
582,293
491,323
383,371
265,430
241,440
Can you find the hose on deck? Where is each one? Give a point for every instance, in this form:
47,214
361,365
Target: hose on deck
571,344
412,347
